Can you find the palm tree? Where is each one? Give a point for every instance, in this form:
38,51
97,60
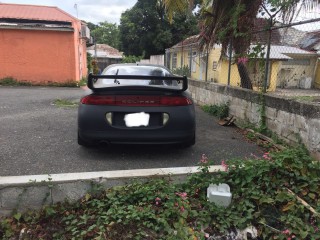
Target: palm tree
232,21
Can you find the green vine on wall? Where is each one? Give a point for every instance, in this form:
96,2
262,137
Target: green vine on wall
263,117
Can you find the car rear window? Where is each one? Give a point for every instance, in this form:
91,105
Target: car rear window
119,70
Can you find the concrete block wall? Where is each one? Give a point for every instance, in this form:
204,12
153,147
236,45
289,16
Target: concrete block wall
290,120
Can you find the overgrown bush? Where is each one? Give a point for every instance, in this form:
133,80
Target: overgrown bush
95,68
89,62
131,59
182,71
266,193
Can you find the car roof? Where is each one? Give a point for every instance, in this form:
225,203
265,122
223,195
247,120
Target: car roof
138,64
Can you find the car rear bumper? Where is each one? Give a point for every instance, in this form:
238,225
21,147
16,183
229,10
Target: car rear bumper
93,127
138,137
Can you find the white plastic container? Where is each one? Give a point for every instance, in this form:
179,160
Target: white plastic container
219,194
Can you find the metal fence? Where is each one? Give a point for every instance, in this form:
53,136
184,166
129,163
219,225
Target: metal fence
279,57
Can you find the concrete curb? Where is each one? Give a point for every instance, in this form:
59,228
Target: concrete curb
20,193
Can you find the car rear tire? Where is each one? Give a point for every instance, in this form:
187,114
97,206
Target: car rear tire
84,143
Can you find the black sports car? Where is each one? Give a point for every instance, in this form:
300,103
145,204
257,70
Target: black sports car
136,104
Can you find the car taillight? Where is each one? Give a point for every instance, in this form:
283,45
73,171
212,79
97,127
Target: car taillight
98,100
175,101
132,100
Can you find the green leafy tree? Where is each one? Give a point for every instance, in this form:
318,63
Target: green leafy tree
145,30
223,21
91,26
105,33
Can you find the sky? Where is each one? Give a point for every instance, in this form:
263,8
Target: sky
94,11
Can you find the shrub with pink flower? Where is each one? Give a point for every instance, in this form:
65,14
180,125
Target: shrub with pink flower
182,209
224,165
204,159
157,201
266,156
204,164
288,234
183,195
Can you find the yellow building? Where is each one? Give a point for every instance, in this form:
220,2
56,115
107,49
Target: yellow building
289,67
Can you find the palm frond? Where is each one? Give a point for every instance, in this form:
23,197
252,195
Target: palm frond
176,6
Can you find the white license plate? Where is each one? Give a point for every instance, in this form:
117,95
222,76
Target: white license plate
137,119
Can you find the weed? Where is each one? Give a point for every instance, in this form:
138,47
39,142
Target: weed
83,82
245,124
220,111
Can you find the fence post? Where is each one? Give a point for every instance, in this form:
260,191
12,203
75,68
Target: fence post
165,60
267,57
230,59
190,65
182,56
207,60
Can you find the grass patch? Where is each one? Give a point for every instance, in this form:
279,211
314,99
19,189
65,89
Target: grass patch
160,209
65,103
304,98
9,81
64,84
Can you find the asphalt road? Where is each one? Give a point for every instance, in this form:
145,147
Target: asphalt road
38,137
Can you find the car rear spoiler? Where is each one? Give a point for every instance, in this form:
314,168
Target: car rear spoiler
93,78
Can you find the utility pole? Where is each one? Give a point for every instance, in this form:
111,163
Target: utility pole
76,8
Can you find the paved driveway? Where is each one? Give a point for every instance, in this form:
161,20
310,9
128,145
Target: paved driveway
37,137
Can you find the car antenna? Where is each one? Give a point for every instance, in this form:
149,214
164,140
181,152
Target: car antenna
115,80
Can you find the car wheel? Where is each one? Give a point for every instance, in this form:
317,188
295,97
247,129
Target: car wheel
84,143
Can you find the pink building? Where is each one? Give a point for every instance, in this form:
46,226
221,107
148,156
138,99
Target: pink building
41,44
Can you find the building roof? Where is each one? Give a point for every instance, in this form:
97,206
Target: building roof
260,36
193,40
289,35
311,41
104,51
285,52
34,12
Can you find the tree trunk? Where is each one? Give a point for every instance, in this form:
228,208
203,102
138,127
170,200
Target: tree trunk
244,75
